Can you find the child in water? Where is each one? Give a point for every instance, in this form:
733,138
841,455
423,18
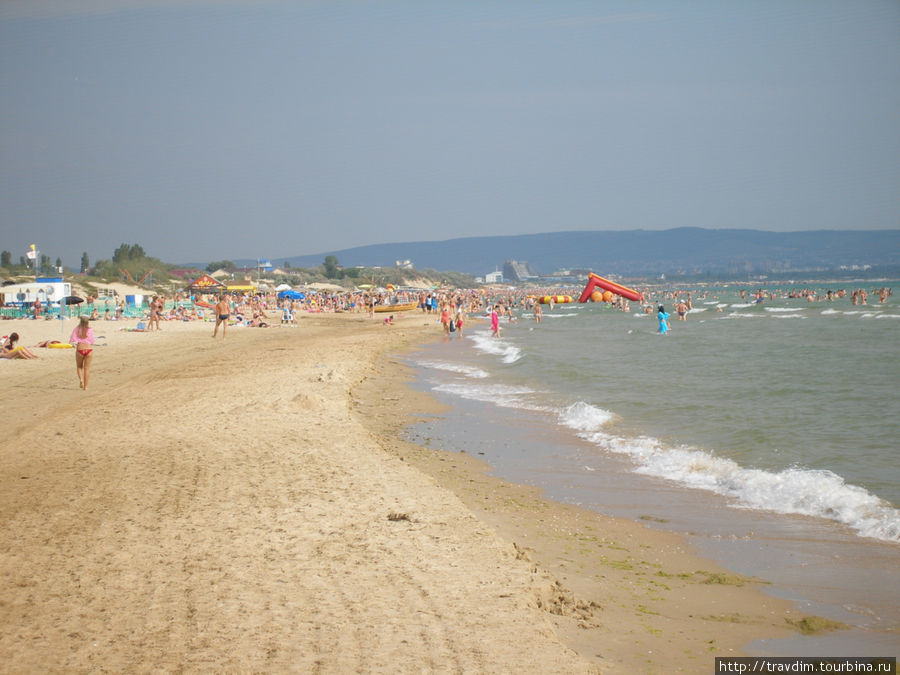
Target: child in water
662,315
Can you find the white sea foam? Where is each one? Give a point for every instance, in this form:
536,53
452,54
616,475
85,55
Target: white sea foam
831,311
553,315
743,305
784,309
743,315
888,316
789,316
697,310
501,347
503,395
585,417
468,371
795,490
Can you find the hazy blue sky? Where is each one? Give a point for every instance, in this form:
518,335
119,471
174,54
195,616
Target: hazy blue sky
210,130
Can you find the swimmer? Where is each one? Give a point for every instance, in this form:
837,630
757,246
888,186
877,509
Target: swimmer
662,315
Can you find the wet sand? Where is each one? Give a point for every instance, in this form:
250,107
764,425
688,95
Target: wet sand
248,504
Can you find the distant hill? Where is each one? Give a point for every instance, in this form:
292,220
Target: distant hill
686,250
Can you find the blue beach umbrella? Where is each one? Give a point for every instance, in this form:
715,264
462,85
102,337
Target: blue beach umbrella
292,295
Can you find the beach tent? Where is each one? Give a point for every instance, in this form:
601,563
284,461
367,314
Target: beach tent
244,285
292,295
283,287
205,284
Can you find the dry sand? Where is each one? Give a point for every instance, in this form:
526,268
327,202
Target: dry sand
247,504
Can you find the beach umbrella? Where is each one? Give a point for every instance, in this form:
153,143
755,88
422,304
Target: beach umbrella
283,287
292,295
72,300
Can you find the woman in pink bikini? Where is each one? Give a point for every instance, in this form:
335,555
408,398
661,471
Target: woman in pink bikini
83,339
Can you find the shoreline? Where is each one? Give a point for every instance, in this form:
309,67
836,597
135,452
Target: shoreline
212,505
249,504
654,593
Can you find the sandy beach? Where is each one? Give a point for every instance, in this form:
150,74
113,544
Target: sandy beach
248,504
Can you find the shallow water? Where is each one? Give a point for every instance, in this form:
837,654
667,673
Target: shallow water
769,430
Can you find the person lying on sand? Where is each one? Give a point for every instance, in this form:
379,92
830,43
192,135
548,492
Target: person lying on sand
12,350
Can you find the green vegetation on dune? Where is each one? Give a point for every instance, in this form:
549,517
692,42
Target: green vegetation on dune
131,264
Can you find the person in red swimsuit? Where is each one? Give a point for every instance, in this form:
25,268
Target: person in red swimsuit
83,339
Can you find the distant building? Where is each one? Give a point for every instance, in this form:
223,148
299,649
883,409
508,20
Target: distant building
404,264
494,277
517,271
46,289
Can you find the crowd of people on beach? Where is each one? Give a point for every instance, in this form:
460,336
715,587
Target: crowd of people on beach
453,307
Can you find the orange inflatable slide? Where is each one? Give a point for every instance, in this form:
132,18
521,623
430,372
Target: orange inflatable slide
609,287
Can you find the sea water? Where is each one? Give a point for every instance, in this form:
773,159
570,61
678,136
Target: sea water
768,430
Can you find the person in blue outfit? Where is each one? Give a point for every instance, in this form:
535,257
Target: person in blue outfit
662,316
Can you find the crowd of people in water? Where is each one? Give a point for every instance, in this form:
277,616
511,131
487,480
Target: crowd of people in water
453,307
267,308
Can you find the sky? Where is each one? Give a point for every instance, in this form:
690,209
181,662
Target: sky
207,130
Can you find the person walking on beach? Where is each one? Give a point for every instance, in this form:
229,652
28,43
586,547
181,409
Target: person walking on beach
153,317
223,311
459,324
495,321
538,312
445,320
83,340
662,315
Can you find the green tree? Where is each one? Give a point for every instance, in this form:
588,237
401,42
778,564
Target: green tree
121,253
58,263
220,265
85,262
331,267
5,259
126,252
